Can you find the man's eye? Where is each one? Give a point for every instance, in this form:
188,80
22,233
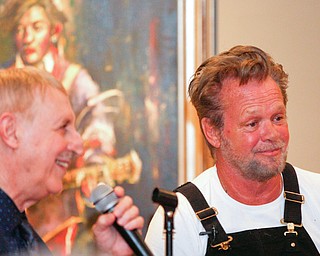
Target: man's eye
252,124
278,118
64,126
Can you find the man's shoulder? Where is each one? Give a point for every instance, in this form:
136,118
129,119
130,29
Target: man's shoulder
308,180
307,173
206,176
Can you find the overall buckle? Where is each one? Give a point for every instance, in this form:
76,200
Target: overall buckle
290,227
206,213
293,197
223,245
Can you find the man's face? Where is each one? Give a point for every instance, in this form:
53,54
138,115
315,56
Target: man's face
47,143
255,136
33,35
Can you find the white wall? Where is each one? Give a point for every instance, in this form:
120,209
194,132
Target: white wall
290,31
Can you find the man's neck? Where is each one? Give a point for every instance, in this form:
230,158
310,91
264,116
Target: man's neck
246,191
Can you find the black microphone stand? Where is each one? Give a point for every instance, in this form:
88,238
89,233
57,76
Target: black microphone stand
168,200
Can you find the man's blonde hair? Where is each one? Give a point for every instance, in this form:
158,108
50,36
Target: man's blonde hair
18,87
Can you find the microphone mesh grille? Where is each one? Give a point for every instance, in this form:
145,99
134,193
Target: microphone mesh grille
103,198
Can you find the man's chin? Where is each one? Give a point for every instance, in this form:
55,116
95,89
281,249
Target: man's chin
55,188
272,162
263,171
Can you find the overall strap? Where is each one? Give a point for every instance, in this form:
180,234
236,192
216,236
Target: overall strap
293,200
207,215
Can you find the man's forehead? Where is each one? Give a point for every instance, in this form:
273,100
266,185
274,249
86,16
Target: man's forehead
55,100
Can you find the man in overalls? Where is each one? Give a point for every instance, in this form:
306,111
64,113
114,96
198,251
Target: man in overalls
251,202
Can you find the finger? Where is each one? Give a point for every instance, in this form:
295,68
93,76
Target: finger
136,223
123,205
128,215
119,191
104,221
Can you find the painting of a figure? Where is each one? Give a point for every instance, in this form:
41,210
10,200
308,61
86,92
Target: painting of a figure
118,62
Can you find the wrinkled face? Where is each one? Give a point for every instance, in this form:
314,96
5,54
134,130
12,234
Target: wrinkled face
47,143
255,136
33,36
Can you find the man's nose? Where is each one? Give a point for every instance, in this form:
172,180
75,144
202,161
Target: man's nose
268,131
76,143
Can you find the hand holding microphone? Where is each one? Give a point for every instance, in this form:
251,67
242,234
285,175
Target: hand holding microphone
106,200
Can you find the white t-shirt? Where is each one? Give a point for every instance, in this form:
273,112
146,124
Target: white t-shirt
232,215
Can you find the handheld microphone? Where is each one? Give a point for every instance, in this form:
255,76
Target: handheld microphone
104,199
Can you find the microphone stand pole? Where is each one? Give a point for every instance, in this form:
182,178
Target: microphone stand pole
168,226
168,200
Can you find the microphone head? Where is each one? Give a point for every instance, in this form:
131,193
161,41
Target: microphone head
103,198
165,198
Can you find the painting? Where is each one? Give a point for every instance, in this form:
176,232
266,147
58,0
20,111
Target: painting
124,55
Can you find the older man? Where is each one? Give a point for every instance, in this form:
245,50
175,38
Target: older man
251,202
38,141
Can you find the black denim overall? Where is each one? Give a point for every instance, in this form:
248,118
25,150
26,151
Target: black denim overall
291,239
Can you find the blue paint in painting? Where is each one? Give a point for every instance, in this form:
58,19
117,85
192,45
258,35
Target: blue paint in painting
125,45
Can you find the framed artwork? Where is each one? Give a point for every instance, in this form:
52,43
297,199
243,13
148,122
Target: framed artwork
128,50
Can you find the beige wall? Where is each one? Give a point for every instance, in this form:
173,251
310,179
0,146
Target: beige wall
290,31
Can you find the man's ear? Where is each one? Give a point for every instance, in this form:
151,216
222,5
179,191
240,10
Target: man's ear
212,133
8,127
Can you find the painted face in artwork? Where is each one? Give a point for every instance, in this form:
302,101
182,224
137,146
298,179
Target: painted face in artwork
33,36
